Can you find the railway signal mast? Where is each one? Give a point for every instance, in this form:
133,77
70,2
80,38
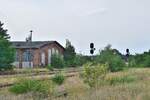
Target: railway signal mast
92,49
127,55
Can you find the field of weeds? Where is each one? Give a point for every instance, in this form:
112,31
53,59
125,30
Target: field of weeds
132,84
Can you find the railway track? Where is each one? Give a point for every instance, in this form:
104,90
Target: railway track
41,76
35,72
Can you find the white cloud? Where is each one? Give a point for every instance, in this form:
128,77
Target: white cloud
94,11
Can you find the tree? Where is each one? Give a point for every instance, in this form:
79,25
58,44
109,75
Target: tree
112,58
142,60
57,61
6,51
69,54
3,32
79,60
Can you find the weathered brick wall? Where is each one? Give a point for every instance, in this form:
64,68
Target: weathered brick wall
37,54
50,46
36,59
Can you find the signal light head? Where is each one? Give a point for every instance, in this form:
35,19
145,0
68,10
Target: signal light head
92,51
91,45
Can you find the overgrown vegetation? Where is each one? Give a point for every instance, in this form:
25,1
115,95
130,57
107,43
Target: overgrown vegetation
93,75
7,53
120,79
35,86
141,60
56,61
131,84
50,67
112,58
59,78
69,54
71,58
79,60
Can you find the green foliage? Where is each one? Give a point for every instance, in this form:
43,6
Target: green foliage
94,74
112,58
79,60
140,60
120,79
59,78
69,54
132,62
23,86
146,62
50,67
57,61
3,32
6,51
28,85
7,54
71,58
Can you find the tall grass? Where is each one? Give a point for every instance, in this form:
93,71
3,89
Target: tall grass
59,78
34,86
132,84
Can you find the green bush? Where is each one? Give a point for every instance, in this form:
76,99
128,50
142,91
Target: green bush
28,85
58,78
79,60
116,63
112,57
132,62
93,75
50,67
142,60
76,61
147,61
57,61
7,68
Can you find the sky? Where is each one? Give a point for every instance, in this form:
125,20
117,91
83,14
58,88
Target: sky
121,23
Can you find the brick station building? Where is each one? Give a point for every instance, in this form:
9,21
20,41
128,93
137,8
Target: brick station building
35,53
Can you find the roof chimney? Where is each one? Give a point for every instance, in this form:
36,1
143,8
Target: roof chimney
29,38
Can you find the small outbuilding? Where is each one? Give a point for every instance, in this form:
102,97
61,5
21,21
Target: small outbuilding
30,54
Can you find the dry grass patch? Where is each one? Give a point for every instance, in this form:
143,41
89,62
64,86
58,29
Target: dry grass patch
137,89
